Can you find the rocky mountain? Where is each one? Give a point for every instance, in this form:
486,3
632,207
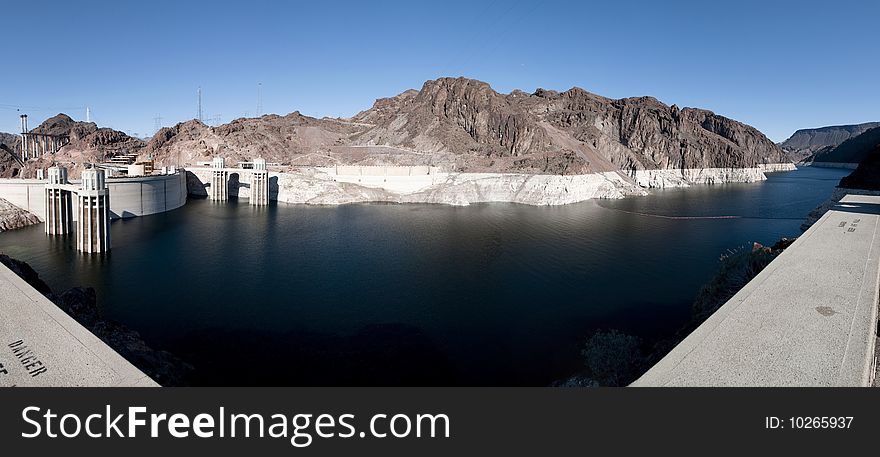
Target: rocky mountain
464,125
805,142
853,150
9,150
867,175
291,139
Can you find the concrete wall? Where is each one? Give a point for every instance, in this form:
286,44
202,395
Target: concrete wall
129,197
238,185
807,319
398,179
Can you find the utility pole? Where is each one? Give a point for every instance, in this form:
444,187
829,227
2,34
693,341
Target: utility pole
200,103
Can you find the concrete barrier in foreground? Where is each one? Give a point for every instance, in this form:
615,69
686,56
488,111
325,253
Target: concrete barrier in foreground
808,319
41,346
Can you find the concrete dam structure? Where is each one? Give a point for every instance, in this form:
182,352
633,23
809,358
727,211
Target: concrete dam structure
35,145
93,213
808,319
59,203
259,184
41,346
131,196
221,182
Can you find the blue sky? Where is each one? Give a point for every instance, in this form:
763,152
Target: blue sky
778,66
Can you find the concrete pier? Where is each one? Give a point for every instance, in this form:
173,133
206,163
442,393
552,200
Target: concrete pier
260,184
219,180
808,319
93,213
59,203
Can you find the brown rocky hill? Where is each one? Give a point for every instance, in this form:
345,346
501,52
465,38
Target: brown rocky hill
551,132
463,125
292,139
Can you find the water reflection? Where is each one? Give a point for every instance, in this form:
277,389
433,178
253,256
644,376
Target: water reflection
495,294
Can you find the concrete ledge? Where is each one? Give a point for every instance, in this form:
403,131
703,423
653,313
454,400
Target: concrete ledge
41,346
808,319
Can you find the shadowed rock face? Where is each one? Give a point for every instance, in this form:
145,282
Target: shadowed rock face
9,149
464,125
867,175
803,143
853,150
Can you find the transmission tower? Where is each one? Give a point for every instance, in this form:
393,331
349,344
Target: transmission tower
157,123
259,99
200,103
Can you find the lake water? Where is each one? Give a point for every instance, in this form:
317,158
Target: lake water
376,294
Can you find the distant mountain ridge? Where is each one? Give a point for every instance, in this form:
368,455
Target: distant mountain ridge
464,125
805,142
853,150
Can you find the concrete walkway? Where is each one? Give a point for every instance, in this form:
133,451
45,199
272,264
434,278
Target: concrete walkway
808,319
40,345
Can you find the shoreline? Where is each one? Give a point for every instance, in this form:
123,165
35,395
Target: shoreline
380,184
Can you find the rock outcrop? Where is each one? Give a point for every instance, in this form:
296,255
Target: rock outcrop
805,142
13,217
867,175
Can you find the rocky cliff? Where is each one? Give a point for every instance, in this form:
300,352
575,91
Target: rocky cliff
805,142
867,175
13,217
853,150
571,132
9,150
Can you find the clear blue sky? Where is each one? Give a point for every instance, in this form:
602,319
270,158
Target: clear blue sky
777,65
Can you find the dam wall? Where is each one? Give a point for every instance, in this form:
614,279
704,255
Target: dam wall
809,319
41,346
129,197
397,179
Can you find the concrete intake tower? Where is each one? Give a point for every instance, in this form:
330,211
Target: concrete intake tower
93,213
260,184
59,203
219,180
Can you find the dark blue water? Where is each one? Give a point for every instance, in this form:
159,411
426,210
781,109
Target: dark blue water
491,294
